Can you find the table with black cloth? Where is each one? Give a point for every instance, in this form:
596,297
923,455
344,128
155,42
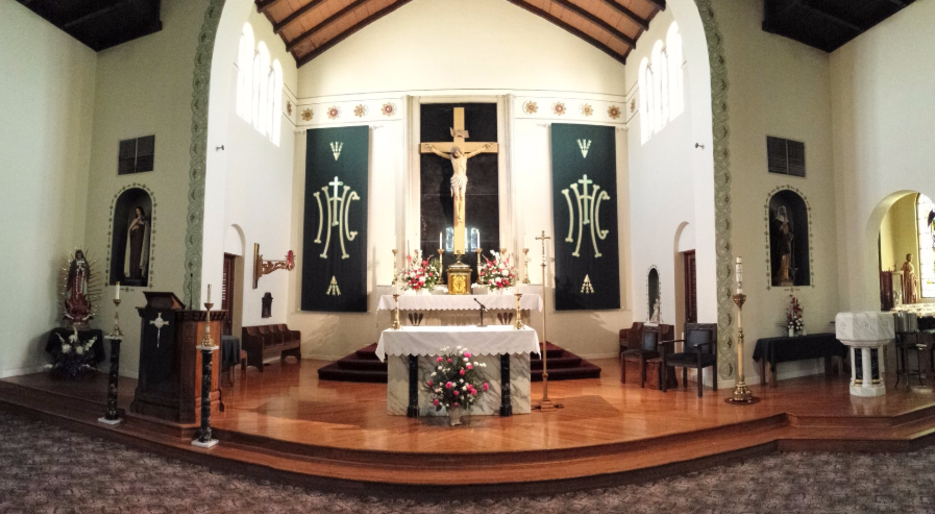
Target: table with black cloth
774,350
230,351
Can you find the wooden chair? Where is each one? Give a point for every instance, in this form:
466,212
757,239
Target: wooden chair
630,337
647,349
698,352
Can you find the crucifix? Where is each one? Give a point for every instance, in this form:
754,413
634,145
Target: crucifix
159,323
459,152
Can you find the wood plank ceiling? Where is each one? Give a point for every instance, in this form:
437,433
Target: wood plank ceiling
310,27
100,24
826,24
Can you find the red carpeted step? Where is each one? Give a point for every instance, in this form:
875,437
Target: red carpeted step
335,372
566,360
585,370
361,364
367,352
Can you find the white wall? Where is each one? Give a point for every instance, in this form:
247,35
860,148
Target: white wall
782,88
487,44
882,87
499,52
144,87
249,183
662,187
47,84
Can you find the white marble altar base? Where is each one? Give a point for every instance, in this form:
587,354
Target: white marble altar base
397,390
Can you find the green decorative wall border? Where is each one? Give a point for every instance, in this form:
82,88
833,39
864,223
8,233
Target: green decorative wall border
194,234
727,358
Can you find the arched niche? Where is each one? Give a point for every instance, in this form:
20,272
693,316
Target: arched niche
788,229
653,295
131,238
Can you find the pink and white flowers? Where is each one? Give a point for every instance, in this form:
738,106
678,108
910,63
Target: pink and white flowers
421,275
462,379
499,274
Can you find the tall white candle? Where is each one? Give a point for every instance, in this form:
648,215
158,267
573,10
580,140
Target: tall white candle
209,294
440,243
117,296
739,272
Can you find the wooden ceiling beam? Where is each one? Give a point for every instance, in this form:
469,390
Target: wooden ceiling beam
807,4
278,26
349,32
331,19
899,3
96,14
627,40
623,11
658,4
622,59
263,5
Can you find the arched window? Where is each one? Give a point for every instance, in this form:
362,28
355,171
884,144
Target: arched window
245,73
275,103
660,87
926,216
261,72
676,80
646,101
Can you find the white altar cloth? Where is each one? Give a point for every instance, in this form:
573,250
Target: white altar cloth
429,302
489,340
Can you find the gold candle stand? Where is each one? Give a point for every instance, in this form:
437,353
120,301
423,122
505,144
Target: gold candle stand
478,251
116,333
742,394
518,325
396,325
395,270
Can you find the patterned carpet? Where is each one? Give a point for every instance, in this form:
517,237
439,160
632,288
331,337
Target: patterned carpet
47,469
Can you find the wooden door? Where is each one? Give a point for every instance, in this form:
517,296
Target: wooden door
691,289
227,293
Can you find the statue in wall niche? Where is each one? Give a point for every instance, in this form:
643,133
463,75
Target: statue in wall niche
656,316
137,254
77,298
910,281
785,273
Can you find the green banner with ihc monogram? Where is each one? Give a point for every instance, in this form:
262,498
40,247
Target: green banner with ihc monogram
584,214
334,256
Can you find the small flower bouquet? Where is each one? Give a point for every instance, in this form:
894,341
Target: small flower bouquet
456,384
421,275
794,321
499,274
74,359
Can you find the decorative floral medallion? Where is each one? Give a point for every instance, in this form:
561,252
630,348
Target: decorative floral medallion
289,107
333,112
360,111
632,106
530,107
389,109
308,114
613,111
587,110
558,109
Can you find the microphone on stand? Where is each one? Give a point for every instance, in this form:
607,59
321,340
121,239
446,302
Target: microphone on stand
483,309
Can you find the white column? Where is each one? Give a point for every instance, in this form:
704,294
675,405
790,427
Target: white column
868,369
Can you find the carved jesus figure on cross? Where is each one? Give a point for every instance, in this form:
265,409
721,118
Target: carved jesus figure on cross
459,153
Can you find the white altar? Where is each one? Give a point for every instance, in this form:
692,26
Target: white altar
418,345
460,310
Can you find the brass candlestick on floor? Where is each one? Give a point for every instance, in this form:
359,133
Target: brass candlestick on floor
742,394
545,404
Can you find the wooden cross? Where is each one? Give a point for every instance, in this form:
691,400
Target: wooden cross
459,134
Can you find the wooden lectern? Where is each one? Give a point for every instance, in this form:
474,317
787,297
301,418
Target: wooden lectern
169,385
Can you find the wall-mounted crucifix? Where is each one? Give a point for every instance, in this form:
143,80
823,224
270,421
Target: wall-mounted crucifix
459,152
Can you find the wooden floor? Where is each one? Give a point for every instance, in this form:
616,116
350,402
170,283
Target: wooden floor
285,420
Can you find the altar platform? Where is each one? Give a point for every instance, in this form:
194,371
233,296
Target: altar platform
287,425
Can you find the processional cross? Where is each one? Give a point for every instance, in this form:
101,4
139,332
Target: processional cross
460,151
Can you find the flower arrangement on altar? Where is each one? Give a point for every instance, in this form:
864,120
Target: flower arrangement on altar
499,274
421,275
456,382
74,358
794,321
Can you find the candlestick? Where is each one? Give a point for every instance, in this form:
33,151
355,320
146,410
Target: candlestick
525,264
742,394
396,325
545,404
395,273
440,245
518,325
116,333
738,271
440,252
209,294
478,250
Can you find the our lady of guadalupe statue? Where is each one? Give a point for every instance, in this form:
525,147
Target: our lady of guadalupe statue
77,302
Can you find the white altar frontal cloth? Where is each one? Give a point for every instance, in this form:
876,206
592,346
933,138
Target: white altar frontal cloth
429,302
428,341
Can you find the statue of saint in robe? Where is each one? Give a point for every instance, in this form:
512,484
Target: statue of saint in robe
459,178
77,304
137,253
784,238
910,281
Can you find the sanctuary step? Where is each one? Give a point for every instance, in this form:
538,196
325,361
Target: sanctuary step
364,366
